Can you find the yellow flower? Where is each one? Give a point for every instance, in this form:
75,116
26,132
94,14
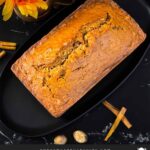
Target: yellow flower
8,8
26,7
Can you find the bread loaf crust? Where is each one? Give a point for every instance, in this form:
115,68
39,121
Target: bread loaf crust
72,58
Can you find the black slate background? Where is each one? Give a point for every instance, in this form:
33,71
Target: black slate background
134,94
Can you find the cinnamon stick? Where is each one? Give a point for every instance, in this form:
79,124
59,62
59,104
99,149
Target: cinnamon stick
116,123
2,54
115,111
7,47
8,43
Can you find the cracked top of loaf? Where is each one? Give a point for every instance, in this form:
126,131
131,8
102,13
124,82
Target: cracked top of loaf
66,63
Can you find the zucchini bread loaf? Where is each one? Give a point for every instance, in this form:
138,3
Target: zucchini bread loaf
72,58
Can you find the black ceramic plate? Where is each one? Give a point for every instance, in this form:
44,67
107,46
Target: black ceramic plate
21,112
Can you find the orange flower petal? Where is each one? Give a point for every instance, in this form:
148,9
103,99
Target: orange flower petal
7,16
2,1
27,7
32,10
41,4
23,10
8,9
9,5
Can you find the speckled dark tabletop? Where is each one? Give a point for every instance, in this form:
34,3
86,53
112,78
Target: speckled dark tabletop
134,94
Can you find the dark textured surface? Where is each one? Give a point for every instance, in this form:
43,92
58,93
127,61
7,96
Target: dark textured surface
134,94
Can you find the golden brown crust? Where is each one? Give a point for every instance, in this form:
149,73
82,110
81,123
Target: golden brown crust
66,63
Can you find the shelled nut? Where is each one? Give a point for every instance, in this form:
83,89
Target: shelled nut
60,140
80,136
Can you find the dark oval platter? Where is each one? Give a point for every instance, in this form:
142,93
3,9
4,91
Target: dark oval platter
19,110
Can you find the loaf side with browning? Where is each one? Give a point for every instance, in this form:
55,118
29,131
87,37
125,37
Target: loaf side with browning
72,58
